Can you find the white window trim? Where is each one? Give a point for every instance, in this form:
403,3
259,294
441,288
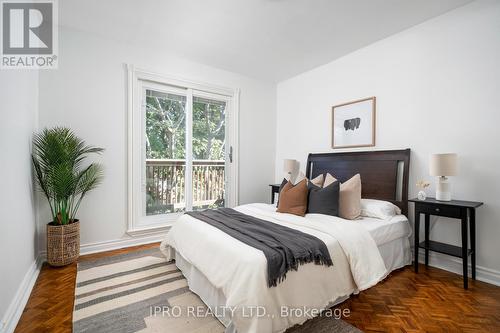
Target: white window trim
134,130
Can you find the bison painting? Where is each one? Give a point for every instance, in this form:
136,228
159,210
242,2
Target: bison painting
352,124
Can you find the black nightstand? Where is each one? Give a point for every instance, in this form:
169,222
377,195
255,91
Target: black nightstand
463,210
275,188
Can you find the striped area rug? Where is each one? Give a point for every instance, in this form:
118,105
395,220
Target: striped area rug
124,294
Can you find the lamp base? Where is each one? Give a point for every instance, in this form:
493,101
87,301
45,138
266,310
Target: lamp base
443,189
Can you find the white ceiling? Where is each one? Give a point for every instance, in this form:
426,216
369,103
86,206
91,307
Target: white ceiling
267,39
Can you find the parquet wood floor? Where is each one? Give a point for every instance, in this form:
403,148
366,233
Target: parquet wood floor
431,301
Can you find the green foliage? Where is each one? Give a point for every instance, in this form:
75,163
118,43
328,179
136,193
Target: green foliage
58,157
166,127
208,129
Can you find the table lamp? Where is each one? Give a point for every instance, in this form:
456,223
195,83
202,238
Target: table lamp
443,165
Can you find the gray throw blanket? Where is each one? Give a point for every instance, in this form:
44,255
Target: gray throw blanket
284,248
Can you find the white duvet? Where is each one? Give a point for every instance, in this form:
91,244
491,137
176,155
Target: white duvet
240,271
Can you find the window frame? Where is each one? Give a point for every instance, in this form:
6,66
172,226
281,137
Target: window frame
138,79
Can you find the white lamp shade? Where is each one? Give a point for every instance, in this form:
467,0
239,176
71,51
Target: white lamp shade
443,165
288,165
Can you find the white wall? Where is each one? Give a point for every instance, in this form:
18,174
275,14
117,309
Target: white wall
437,87
88,94
18,110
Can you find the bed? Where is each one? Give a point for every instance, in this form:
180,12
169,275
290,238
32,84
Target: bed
230,276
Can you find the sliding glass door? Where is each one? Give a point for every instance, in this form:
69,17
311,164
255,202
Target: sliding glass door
184,154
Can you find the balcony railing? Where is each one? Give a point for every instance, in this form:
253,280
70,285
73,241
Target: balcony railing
165,185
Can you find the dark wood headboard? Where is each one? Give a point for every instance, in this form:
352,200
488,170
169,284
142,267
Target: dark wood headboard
384,173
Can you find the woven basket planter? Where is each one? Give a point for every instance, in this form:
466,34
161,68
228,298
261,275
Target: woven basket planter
63,243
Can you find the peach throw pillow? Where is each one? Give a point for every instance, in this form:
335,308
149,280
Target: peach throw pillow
293,199
350,196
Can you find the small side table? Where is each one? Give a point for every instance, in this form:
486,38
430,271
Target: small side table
458,209
275,188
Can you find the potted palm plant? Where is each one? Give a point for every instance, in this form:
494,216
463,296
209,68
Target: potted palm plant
58,160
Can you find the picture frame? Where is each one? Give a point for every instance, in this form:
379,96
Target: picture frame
354,124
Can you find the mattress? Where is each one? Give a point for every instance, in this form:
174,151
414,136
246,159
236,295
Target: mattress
385,231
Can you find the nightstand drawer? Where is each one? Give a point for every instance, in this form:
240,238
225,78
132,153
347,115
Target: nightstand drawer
440,210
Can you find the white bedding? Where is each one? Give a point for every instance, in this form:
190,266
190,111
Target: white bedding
382,231
385,231
239,270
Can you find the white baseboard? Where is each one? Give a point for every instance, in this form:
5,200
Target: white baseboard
16,307
144,238
454,265
121,243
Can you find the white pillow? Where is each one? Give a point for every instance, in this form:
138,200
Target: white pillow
379,209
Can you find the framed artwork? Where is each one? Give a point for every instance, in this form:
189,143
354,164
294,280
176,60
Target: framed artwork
353,124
